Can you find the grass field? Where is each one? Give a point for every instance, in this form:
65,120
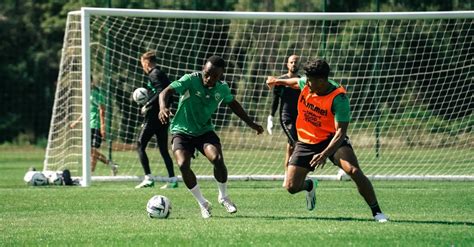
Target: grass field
113,214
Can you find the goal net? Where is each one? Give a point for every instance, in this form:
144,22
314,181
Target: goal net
408,76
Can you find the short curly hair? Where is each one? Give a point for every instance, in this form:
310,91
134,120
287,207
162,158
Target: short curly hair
217,61
317,68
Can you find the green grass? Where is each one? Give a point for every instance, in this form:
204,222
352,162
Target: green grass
113,214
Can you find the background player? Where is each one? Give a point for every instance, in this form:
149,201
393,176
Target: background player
323,120
288,97
97,124
200,95
157,81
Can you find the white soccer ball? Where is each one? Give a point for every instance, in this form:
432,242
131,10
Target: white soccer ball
159,207
140,95
54,178
35,178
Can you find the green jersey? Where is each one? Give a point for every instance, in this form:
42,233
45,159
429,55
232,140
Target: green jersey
97,99
197,104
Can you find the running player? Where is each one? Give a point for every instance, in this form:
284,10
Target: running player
192,128
322,123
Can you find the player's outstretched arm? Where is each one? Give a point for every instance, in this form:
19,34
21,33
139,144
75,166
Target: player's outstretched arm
240,112
274,81
78,120
165,113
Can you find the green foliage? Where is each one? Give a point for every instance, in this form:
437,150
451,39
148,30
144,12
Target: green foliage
32,34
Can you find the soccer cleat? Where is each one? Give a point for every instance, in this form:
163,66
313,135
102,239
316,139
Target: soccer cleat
146,183
114,168
170,185
342,175
311,196
228,205
380,217
206,210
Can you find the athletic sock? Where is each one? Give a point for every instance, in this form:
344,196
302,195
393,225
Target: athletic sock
375,208
309,184
222,190
198,195
149,177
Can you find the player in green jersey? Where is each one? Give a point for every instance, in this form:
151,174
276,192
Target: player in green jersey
97,125
200,95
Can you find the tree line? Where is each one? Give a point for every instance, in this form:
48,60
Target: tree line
32,35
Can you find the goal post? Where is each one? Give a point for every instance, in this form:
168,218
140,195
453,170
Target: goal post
408,77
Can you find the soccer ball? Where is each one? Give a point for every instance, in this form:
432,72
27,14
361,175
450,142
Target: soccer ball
35,178
140,95
158,207
54,178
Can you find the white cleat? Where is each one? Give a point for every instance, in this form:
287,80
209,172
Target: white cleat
342,175
114,168
228,205
380,217
146,183
311,196
206,210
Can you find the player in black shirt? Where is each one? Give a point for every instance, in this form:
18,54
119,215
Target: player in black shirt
157,81
288,97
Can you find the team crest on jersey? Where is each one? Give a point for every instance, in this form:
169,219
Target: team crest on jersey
217,96
198,93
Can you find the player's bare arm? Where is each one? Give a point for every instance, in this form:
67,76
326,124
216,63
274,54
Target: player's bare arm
319,160
240,112
102,121
165,113
274,81
78,120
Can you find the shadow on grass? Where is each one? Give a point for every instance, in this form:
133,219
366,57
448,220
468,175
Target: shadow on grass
438,222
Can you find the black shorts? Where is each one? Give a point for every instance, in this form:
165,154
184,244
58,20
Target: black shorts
289,127
191,143
304,152
96,138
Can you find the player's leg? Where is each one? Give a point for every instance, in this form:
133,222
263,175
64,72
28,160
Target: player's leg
97,155
289,127
144,137
183,150
96,141
289,151
212,149
298,170
345,158
93,159
296,179
162,139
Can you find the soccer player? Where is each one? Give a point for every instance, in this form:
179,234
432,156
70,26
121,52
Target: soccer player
157,81
323,119
200,95
288,97
97,124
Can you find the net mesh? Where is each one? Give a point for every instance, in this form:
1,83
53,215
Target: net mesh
409,83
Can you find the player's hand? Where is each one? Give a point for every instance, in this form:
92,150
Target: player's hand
270,124
257,127
318,160
145,109
271,81
164,115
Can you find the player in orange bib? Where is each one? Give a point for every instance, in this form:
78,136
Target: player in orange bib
322,122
